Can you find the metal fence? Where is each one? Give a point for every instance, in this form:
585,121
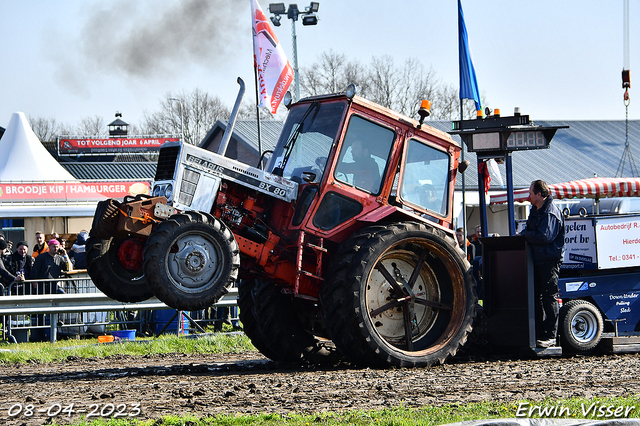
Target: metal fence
41,310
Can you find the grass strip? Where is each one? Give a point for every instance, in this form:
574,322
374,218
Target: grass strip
591,409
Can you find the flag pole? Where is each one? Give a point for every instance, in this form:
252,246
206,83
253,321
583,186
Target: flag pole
255,73
464,187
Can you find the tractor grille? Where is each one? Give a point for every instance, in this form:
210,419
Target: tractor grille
188,186
167,163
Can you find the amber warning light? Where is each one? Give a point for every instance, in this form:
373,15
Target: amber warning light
424,111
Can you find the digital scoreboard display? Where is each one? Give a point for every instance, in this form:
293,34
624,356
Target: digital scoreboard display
500,135
527,140
485,141
506,141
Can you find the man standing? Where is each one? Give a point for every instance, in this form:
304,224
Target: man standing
20,264
49,265
6,277
545,232
40,246
464,242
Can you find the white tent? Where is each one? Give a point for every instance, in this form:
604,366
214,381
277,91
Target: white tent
24,158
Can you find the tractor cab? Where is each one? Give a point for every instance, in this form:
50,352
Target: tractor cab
356,162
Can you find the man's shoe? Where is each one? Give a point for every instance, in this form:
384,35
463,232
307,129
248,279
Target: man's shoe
545,343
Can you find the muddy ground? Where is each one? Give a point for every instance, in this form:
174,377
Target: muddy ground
153,386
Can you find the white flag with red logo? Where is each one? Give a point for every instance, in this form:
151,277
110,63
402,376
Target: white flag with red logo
274,72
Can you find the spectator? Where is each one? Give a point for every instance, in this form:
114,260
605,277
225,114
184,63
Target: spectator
51,266
475,240
77,251
20,264
6,276
471,249
7,251
40,246
48,266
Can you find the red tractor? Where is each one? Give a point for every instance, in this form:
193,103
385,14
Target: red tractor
345,240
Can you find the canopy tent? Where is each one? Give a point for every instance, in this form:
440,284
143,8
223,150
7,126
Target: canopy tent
583,188
34,184
24,158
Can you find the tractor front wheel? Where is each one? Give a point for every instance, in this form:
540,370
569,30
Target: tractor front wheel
190,260
115,267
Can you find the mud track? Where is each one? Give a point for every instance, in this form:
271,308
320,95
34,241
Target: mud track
248,383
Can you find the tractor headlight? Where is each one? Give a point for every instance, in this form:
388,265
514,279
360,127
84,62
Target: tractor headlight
168,192
157,190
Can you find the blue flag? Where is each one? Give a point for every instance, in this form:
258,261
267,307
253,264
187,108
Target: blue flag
468,82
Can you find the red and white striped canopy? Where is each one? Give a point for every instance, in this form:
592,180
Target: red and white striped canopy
584,188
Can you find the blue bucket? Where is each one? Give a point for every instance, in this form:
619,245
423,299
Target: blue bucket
124,334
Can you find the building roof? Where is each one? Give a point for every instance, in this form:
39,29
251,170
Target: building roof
118,122
119,171
585,149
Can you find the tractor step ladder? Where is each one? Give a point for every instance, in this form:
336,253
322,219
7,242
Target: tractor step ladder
317,250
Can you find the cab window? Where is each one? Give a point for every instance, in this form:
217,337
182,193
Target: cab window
364,155
425,181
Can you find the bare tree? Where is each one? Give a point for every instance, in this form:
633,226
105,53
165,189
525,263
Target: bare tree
332,74
398,88
198,111
91,126
46,129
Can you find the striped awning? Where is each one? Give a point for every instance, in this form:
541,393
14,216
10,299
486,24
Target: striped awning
584,188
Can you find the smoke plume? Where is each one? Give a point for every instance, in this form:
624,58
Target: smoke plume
150,38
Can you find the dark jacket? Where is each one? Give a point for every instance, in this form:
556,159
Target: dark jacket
77,251
17,263
545,232
6,277
47,266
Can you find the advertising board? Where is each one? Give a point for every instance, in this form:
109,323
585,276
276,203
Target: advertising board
21,192
580,244
74,146
618,241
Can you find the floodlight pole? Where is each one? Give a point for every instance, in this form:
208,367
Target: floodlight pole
292,12
296,74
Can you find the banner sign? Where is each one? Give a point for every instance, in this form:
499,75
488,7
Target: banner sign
618,241
70,191
580,244
111,145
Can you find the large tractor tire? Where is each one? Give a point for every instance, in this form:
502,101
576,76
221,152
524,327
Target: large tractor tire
115,267
281,330
581,326
247,315
399,295
190,260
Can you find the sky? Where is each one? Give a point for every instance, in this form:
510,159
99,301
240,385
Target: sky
70,59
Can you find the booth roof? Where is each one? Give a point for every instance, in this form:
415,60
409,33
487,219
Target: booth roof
23,157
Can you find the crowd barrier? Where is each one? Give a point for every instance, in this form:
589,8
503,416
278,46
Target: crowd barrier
46,309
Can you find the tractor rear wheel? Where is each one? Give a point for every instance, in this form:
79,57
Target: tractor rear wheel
246,306
115,267
282,331
190,260
400,295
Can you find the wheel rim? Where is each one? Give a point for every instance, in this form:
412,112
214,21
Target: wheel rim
193,261
584,326
408,299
